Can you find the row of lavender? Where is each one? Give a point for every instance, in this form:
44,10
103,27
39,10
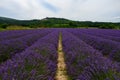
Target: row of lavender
104,33
37,62
10,34
108,47
84,62
9,47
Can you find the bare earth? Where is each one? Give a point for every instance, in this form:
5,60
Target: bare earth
61,66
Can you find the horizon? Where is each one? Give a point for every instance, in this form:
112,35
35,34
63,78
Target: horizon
56,18
77,10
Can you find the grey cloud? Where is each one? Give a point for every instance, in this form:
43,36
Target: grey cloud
91,10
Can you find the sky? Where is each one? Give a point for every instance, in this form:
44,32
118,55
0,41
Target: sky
82,10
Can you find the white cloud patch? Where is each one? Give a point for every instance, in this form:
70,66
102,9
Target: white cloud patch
90,10
118,17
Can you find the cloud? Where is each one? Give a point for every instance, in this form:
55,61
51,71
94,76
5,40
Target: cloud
50,7
118,17
90,10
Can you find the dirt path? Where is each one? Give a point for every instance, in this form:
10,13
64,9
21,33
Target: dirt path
61,66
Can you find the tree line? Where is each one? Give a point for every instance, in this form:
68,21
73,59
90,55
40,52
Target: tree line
56,23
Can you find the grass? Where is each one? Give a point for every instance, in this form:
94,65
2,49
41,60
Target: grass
17,28
1,29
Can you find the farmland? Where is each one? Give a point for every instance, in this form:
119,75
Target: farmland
37,54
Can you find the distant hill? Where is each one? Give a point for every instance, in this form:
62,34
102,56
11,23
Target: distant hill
52,22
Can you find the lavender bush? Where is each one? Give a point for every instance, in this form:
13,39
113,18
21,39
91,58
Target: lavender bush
86,63
38,62
9,47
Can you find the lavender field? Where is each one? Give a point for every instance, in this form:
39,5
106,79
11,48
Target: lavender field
87,54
